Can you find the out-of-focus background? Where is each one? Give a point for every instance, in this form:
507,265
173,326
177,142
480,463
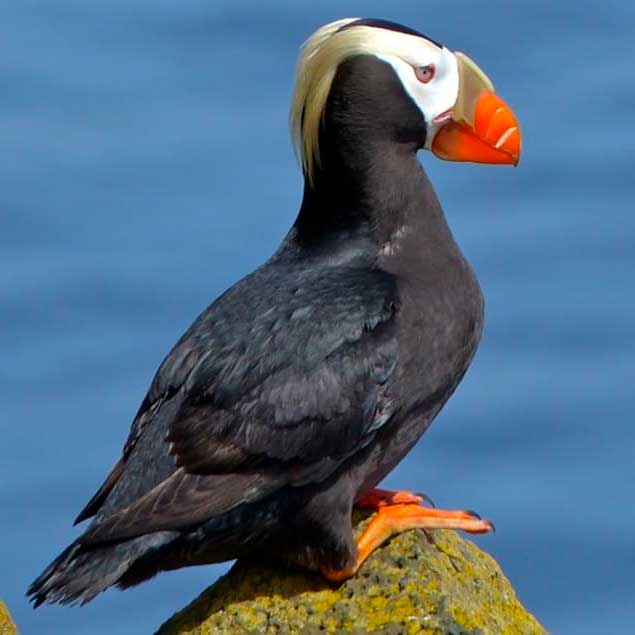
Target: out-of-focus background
145,167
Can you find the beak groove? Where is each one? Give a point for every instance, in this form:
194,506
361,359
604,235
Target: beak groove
496,124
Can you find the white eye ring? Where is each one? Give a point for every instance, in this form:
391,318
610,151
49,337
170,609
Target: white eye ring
424,74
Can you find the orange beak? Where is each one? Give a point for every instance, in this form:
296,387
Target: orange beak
494,137
480,126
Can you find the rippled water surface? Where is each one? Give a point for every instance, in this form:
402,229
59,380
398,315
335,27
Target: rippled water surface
145,167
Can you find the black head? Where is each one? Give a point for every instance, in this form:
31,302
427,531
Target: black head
366,82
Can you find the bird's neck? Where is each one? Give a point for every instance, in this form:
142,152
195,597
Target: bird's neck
375,193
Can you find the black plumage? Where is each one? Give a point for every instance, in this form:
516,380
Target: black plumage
379,23
304,384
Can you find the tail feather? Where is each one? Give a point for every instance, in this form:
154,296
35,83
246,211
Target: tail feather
81,572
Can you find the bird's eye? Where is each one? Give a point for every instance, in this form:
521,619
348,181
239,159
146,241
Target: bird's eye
424,73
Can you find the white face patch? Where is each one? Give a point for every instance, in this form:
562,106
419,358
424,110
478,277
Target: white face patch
435,97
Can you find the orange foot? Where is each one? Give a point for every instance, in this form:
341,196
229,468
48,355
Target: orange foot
392,519
376,498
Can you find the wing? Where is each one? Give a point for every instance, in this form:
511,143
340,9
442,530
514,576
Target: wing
279,381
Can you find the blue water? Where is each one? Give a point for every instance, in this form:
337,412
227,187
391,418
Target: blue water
145,166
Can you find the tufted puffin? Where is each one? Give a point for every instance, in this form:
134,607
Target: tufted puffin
300,388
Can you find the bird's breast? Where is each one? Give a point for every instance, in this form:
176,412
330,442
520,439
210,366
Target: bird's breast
440,324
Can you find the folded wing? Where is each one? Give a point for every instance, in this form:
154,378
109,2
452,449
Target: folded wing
276,384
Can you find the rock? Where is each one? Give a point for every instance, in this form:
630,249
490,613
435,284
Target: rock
7,627
433,583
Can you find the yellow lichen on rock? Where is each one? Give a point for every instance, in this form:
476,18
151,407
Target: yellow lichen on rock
420,583
7,627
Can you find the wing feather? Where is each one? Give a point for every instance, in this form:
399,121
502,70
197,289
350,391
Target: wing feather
277,383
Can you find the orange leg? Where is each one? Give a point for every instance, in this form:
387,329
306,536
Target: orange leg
376,498
393,519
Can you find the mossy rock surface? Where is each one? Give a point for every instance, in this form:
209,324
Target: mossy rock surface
432,583
7,627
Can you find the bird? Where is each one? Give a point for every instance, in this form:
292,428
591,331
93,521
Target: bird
292,396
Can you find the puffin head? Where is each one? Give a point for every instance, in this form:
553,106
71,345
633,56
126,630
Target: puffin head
392,84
